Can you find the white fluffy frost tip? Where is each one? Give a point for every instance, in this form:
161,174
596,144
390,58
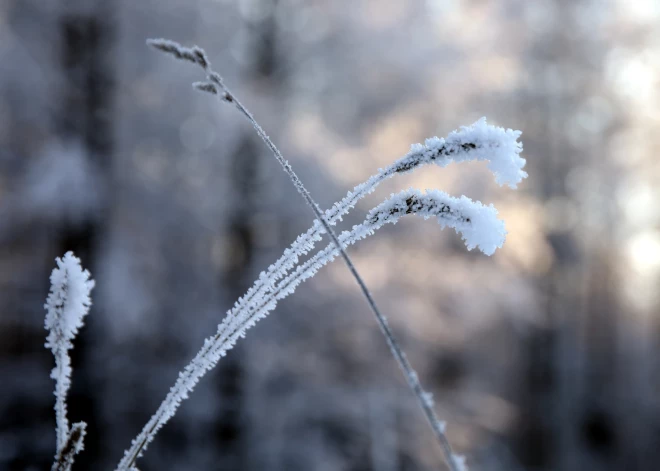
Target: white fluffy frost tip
503,150
479,141
69,301
477,223
487,233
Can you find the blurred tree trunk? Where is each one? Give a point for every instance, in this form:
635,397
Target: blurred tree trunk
231,433
237,279
85,119
570,409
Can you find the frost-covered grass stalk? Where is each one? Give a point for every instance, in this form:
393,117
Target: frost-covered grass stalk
67,304
477,142
477,223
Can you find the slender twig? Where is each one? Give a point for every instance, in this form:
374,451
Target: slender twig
200,58
72,446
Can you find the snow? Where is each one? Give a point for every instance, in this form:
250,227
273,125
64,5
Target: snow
498,146
478,224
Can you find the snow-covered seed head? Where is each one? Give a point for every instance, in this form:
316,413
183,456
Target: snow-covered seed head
499,146
479,141
69,301
477,223
67,304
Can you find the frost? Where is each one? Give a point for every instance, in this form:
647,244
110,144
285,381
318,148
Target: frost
68,301
478,224
499,146
67,304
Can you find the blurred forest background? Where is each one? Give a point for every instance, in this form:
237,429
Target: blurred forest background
542,357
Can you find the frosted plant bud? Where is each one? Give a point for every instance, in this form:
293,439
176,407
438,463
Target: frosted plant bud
69,301
66,306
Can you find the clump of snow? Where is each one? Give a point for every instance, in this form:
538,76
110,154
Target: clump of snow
477,223
479,141
500,147
485,232
69,301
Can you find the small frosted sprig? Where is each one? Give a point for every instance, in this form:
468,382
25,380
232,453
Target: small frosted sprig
196,55
66,306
